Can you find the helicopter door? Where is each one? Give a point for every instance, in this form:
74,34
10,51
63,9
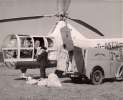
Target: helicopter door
52,51
39,42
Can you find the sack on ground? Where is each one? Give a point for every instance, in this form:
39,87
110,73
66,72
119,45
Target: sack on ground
43,82
53,81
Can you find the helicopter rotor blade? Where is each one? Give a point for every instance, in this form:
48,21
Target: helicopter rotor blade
62,5
87,26
24,18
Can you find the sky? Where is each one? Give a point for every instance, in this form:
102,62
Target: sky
104,15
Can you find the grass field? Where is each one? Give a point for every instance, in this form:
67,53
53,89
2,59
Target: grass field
12,87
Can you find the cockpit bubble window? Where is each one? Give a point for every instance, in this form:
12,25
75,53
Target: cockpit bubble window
10,42
10,54
26,42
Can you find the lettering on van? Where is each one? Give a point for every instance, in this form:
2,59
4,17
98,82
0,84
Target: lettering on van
97,54
108,45
103,54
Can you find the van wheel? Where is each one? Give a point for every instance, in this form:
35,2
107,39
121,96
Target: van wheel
76,79
97,77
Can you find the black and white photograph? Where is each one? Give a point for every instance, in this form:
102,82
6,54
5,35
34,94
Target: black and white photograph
61,50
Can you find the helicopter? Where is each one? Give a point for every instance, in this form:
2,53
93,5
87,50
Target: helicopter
19,54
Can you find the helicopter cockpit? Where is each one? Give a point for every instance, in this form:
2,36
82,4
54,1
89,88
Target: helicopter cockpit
10,46
20,50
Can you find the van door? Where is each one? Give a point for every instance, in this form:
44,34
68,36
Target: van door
113,64
78,63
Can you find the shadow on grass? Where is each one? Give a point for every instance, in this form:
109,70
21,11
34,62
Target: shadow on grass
20,79
112,80
89,82
37,77
81,82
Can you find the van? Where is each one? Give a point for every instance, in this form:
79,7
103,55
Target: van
94,64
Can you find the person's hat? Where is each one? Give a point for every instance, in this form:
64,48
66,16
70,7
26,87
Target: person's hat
43,48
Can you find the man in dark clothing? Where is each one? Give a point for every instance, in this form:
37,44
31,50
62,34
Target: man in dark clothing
42,59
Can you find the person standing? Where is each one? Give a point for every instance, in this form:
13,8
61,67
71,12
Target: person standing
62,61
23,71
42,59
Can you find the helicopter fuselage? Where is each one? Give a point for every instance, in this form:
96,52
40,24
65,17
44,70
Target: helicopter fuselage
19,50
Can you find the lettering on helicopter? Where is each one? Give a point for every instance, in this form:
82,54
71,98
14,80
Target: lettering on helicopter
108,45
111,45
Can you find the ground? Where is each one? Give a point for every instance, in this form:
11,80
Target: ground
12,87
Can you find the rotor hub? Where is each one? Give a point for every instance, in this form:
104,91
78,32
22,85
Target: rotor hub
61,15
